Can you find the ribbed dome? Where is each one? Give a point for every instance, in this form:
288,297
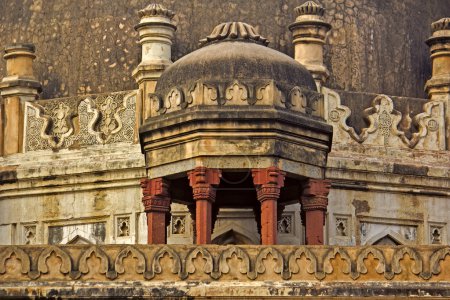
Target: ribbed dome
234,51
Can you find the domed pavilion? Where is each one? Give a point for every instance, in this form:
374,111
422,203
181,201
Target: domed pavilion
235,124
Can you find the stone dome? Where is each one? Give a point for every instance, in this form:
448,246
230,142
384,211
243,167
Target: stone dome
234,52
235,104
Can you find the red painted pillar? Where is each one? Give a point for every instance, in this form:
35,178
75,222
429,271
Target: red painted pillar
156,201
268,183
204,182
314,201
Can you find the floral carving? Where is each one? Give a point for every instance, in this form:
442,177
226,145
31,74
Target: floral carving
57,121
236,93
106,120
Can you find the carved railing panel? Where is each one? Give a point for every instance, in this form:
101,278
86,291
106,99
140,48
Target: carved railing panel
383,129
223,263
80,121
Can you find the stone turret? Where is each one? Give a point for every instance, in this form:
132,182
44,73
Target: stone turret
19,86
309,35
438,87
156,30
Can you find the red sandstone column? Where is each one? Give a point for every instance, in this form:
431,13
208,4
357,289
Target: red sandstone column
314,201
203,182
268,183
156,201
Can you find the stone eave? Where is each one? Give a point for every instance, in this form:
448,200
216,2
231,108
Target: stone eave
423,173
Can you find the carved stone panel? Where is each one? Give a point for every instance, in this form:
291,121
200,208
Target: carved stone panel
80,121
285,224
123,226
29,234
428,127
437,233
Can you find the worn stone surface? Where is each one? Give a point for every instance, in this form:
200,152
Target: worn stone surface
91,46
213,270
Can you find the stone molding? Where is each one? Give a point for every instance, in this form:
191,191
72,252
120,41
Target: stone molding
217,263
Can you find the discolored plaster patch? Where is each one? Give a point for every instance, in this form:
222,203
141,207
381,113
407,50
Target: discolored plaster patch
8,175
51,206
100,201
361,206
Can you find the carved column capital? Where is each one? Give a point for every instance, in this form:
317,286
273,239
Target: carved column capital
268,182
314,201
203,182
156,195
315,195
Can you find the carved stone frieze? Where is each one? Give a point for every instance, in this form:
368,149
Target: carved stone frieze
145,262
57,119
237,92
384,122
80,121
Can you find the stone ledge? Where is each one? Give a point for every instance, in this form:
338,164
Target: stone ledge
210,290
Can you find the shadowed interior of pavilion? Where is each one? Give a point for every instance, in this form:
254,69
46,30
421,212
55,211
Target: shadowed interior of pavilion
236,190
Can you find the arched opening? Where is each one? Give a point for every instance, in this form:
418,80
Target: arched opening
387,240
232,237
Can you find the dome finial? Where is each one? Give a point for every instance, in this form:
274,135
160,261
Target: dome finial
234,31
155,10
310,8
442,24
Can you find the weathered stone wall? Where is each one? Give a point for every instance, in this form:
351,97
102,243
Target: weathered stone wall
91,46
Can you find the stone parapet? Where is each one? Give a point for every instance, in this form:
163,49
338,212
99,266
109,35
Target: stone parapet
195,271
